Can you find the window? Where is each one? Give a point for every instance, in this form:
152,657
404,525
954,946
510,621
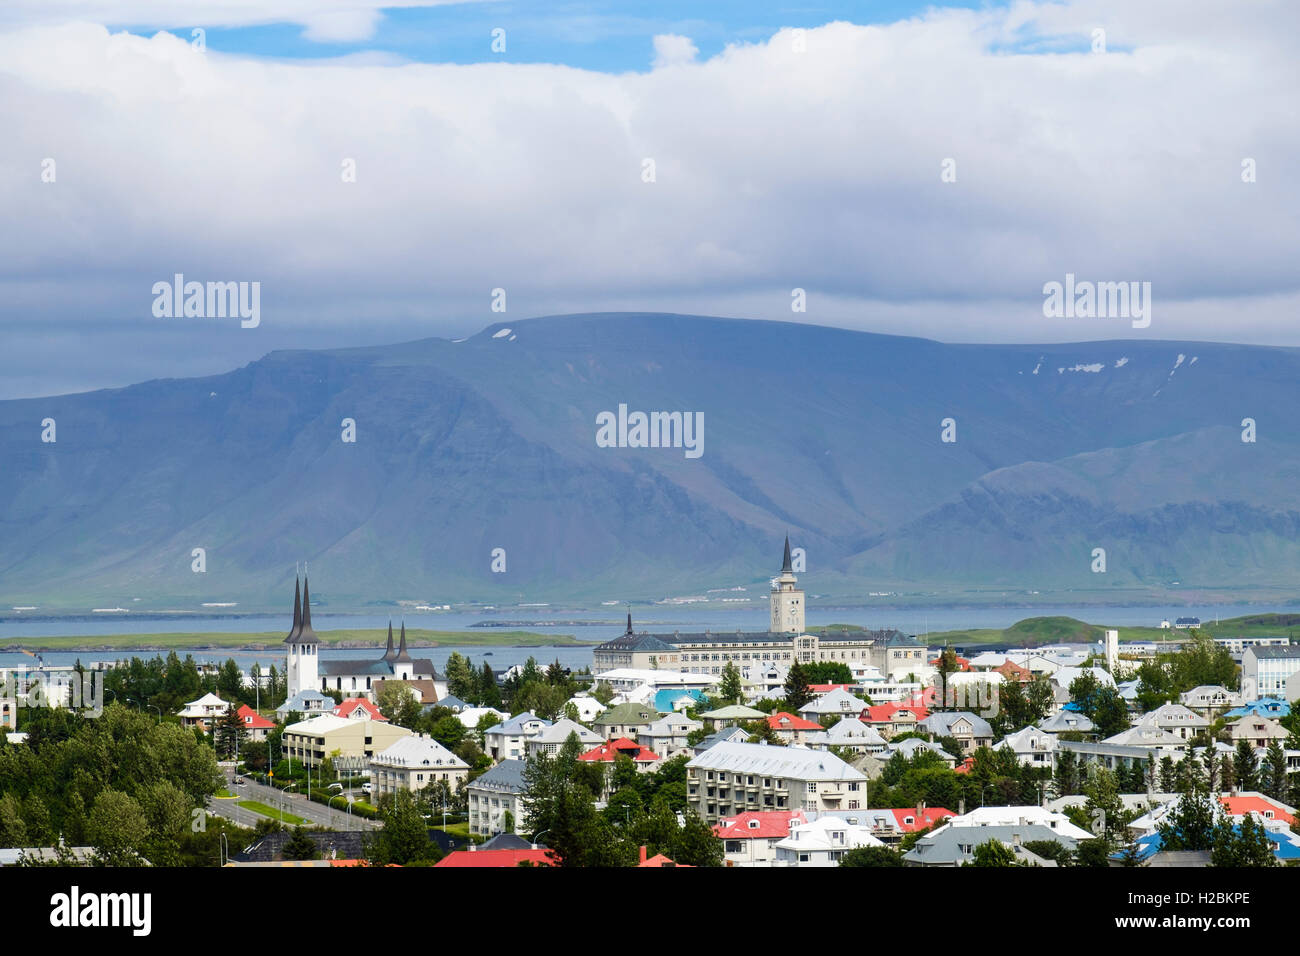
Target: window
812,786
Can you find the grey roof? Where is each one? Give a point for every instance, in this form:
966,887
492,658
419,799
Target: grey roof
515,724
942,846
299,700
1274,652
506,841
793,762
345,844
722,736
1065,721
941,723
421,667
507,776
455,703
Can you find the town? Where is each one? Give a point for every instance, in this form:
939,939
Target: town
791,747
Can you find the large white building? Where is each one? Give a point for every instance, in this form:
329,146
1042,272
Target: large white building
1265,670
785,642
414,763
731,778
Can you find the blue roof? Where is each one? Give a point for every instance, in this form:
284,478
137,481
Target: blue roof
1149,845
1072,706
664,699
1264,707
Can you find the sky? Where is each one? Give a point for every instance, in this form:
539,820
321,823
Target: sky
392,171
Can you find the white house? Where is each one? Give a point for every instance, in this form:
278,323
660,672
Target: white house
1020,816
667,735
855,735
1032,747
1266,670
414,763
506,740
493,795
822,842
1177,719
204,712
470,716
837,701
730,778
552,738
588,708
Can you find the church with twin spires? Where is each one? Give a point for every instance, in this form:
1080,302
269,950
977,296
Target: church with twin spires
353,678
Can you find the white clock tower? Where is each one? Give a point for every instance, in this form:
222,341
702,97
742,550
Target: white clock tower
787,599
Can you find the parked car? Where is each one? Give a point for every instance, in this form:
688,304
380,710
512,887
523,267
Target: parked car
338,787
367,788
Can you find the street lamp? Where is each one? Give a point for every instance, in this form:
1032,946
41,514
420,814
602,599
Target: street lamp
536,835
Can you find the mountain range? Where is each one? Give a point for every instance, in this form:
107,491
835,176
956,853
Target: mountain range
835,437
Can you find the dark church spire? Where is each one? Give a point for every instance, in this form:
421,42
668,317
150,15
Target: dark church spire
786,567
297,611
388,654
305,634
629,622
402,656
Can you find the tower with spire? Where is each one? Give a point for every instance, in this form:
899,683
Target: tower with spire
302,667
787,599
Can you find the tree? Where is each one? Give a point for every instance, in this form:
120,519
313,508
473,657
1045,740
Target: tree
797,692
231,733
603,693
697,845
1245,767
1067,773
871,856
117,829
404,837
1274,772
460,680
300,846
543,699
507,822
489,694
1244,844
1191,824
229,680
1155,685
994,853
947,665
730,687
397,702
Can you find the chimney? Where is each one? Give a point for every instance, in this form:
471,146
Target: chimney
642,854
961,807
920,807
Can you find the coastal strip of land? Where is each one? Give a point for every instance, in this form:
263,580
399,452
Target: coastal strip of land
342,639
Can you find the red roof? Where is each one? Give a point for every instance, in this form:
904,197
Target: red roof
1010,669
353,704
1239,806
253,720
659,860
827,688
612,749
786,721
966,766
962,663
489,858
927,818
884,713
758,824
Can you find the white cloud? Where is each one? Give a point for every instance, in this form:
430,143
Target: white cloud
673,50
337,21
774,170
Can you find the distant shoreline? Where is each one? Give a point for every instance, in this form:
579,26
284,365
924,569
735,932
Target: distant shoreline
368,639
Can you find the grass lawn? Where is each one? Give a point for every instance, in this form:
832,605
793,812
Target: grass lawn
224,794
271,812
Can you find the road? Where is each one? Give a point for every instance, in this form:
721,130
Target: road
317,814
